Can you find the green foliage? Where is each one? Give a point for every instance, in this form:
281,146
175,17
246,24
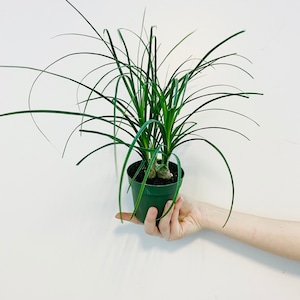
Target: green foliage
151,116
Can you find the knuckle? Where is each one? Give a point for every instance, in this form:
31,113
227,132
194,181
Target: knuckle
163,227
169,239
149,231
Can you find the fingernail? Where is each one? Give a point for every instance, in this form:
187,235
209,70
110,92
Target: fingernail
152,210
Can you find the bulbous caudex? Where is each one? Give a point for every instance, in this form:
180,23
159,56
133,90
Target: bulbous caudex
161,171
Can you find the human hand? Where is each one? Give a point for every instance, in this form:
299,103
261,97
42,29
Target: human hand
183,219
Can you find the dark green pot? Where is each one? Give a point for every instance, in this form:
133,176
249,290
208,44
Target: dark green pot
153,195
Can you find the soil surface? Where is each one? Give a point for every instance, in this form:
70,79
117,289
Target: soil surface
153,181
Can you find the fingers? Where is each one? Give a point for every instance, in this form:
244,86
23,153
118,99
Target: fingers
177,207
168,227
150,222
164,223
176,230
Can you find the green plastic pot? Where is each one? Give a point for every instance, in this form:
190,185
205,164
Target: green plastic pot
153,195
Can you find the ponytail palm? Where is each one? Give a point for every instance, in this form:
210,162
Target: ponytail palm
150,116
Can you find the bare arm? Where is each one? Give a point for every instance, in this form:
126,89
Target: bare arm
275,236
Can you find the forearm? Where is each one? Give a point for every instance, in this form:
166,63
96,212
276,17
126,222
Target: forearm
275,236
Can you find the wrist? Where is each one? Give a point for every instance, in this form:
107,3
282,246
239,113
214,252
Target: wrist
213,217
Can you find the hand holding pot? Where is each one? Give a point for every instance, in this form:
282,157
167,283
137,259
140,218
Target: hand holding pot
280,237
183,219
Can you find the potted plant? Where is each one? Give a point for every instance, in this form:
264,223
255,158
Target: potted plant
151,115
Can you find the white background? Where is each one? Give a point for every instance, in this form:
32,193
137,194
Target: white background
58,235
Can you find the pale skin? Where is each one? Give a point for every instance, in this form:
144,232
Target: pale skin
279,237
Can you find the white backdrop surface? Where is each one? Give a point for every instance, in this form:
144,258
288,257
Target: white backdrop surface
58,235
